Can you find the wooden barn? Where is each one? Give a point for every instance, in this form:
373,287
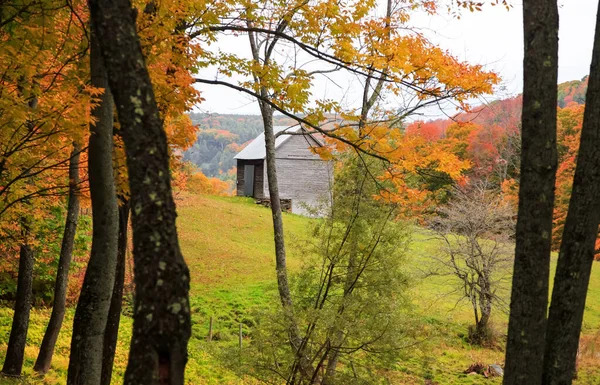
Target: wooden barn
304,178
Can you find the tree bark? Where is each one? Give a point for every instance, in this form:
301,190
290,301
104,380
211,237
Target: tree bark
13,364
44,359
481,326
85,365
578,242
280,252
283,285
162,326
114,314
529,298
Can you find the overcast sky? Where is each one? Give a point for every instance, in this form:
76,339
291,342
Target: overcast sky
493,38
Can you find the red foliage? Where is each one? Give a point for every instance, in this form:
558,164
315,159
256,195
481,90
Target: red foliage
430,131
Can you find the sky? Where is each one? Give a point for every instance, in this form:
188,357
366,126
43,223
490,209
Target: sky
492,37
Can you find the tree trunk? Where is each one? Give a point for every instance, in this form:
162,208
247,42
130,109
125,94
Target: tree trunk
481,327
114,314
280,253
85,365
44,359
161,326
18,332
332,362
578,242
529,298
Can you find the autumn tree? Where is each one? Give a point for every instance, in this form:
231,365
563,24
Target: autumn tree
42,104
43,107
348,37
569,124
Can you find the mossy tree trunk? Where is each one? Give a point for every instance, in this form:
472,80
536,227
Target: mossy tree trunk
161,325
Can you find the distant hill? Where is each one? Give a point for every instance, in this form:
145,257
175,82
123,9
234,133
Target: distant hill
220,136
504,114
573,91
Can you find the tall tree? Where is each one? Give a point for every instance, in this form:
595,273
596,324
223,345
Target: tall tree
85,364
44,359
162,328
529,297
578,241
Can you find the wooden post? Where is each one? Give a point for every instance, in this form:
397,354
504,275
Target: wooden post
210,329
241,336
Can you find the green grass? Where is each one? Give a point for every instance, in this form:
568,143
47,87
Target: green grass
228,244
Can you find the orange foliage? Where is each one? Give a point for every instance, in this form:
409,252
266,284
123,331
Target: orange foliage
201,184
570,120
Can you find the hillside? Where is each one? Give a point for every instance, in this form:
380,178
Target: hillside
228,245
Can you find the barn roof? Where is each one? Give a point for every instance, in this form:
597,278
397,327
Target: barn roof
256,148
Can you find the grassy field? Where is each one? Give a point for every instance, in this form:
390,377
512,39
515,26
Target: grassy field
228,245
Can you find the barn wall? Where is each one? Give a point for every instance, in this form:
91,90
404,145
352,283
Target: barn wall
298,147
239,186
303,176
259,180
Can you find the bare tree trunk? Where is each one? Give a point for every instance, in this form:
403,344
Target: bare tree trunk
578,242
85,365
162,326
114,314
13,364
44,359
280,253
529,298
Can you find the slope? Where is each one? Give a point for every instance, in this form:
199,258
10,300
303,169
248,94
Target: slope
227,242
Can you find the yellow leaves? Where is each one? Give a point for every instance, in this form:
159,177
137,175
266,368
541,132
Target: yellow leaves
325,152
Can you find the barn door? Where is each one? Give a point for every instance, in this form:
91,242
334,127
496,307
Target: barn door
249,180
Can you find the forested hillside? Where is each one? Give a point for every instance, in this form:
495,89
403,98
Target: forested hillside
220,137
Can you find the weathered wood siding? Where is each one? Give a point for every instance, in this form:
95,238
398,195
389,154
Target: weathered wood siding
258,177
302,175
259,180
239,186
